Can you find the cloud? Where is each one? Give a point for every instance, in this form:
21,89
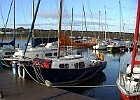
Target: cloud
52,15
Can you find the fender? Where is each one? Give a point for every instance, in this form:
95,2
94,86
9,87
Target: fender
100,56
21,72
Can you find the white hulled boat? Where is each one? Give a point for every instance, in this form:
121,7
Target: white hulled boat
128,82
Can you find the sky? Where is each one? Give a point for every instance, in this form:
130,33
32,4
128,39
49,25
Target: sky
119,16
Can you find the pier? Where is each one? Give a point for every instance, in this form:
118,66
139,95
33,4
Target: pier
14,88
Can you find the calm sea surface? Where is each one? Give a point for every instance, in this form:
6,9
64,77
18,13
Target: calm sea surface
105,80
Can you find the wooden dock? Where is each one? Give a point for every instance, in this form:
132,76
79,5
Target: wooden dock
15,88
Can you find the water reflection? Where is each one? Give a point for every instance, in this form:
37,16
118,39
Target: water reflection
88,87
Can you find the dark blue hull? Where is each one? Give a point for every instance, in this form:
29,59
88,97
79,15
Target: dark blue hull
116,49
62,75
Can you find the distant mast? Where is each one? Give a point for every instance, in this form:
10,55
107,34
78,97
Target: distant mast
99,21
120,17
14,18
59,27
85,18
136,38
105,22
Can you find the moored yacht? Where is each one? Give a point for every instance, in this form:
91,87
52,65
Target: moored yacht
116,45
128,81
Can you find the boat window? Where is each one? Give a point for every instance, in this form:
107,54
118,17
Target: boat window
9,53
61,66
48,54
55,54
81,64
76,65
66,65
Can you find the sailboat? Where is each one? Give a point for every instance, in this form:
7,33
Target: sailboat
128,82
66,41
38,47
101,44
77,43
117,44
7,49
61,69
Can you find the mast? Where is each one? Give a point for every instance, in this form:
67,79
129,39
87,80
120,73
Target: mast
32,26
99,20
136,37
5,25
14,23
59,26
71,27
33,15
120,17
32,9
105,22
85,18
82,22
14,18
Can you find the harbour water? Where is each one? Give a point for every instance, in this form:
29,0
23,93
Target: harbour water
103,86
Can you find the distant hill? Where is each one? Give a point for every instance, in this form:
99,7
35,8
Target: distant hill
22,33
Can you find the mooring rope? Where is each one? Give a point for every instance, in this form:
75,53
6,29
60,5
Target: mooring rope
31,75
84,86
69,86
5,63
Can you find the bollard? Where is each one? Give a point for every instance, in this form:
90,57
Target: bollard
15,67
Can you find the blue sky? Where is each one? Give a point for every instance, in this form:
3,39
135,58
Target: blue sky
48,12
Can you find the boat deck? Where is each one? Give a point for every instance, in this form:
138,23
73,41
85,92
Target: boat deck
15,88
